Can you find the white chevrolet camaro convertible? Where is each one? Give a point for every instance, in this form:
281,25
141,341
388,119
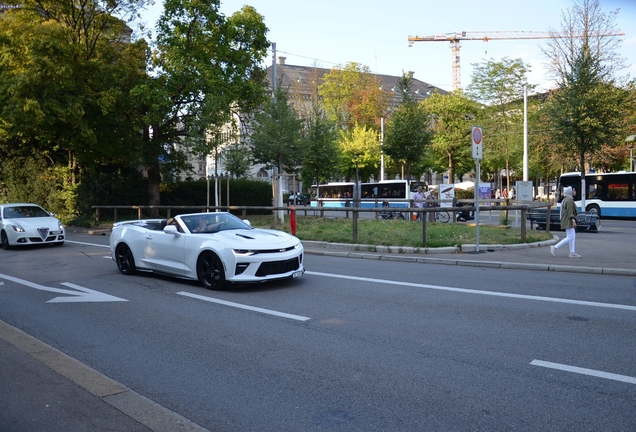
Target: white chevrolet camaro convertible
214,248
23,224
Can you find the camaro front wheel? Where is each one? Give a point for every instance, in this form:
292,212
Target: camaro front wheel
125,260
210,271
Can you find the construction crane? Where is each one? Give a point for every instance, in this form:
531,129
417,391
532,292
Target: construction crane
455,38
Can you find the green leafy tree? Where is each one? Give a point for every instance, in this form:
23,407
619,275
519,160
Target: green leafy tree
205,65
65,75
360,148
588,108
453,117
321,150
500,87
276,139
408,133
237,159
352,95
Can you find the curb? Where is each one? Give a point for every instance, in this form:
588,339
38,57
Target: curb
414,255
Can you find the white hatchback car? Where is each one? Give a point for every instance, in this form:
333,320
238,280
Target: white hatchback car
23,224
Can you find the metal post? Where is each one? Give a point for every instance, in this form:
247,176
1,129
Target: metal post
381,148
476,196
525,132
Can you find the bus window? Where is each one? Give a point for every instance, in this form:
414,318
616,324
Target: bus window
617,191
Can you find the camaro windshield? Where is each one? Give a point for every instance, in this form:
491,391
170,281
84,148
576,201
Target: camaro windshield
24,212
208,223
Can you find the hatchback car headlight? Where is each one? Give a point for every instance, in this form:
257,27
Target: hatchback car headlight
17,228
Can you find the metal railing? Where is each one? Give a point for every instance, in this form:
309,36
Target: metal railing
503,205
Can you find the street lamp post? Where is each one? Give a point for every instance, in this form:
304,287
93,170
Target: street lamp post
630,139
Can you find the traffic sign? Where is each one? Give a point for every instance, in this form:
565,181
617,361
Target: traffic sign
477,146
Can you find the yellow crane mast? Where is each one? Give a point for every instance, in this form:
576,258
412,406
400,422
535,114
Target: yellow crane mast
455,38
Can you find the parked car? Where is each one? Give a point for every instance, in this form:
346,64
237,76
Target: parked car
23,224
216,249
301,199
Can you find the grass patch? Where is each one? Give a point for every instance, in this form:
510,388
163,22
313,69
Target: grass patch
397,232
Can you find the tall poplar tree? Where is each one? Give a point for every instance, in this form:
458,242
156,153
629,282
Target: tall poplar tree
408,132
587,110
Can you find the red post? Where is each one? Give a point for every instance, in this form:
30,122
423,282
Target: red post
292,219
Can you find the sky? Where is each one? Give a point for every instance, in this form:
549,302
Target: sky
327,33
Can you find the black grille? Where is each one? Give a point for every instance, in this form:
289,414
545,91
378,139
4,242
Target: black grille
278,267
39,240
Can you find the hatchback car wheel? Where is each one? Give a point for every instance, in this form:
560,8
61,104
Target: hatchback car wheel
5,241
210,271
125,260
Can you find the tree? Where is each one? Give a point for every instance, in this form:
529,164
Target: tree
587,109
276,139
352,95
360,149
321,150
407,134
500,86
237,159
65,76
205,65
453,116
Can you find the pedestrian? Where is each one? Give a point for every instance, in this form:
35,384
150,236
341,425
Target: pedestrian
418,200
568,223
430,198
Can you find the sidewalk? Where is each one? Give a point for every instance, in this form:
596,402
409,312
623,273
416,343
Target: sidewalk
43,389
605,252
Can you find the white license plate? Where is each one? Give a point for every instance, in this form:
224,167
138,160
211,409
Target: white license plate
297,274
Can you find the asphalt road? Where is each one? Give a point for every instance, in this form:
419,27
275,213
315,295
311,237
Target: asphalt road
354,345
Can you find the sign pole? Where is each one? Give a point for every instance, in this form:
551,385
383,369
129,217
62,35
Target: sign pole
477,155
477,173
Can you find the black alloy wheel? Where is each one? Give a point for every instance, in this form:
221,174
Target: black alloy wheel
124,259
5,241
210,271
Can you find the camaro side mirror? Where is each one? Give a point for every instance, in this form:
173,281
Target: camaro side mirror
247,222
171,229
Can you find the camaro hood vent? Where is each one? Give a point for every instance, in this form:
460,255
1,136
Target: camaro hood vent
245,236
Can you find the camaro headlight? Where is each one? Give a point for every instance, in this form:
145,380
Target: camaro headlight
244,252
17,228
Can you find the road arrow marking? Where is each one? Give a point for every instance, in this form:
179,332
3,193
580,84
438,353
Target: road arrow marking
85,294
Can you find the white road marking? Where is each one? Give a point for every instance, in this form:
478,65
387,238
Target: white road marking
85,294
87,244
242,306
481,292
584,371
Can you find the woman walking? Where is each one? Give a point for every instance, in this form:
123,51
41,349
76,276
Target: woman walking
568,223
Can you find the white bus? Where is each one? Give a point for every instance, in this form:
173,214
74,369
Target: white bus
607,194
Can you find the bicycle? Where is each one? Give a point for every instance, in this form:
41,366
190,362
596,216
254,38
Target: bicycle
442,216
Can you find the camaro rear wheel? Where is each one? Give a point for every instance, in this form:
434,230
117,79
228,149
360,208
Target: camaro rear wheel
210,271
5,241
125,260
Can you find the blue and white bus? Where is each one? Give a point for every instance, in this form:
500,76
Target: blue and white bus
607,194
388,193
337,194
